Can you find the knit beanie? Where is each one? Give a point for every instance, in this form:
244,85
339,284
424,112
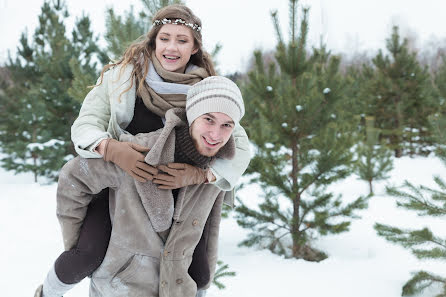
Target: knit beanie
214,94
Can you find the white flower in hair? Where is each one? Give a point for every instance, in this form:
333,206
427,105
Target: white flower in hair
177,22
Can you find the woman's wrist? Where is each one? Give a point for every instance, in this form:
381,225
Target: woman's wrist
210,177
100,148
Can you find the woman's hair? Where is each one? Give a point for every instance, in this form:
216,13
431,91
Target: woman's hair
140,51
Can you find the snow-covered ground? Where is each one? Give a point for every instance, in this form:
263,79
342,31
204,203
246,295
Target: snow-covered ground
360,263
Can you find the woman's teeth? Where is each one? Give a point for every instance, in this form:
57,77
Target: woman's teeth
171,57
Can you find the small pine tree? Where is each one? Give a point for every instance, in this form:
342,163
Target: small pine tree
422,243
303,143
440,82
374,159
38,110
401,97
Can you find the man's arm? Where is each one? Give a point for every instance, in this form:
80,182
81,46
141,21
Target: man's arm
79,180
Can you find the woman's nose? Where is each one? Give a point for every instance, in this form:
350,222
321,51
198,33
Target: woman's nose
171,45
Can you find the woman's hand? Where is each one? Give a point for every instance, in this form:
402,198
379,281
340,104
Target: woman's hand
178,175
128,156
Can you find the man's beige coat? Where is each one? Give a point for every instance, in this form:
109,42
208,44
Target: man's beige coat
137,262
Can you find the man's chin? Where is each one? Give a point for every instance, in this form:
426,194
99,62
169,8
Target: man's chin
208,152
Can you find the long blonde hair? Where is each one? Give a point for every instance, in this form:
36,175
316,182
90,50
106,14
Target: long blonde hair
139,52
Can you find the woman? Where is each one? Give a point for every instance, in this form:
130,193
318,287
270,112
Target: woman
132,96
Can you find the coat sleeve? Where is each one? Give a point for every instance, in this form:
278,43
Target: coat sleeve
92,123
228,172
79,180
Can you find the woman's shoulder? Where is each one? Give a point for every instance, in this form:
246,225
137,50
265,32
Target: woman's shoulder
119,70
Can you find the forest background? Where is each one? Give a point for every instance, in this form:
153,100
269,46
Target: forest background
314,119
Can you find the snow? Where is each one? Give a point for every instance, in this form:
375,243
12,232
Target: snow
269,145
360,263
42,146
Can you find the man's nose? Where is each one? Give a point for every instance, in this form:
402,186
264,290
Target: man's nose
214,132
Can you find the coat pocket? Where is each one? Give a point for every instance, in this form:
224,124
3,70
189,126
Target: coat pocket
126,272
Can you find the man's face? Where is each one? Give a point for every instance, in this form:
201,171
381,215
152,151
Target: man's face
210,132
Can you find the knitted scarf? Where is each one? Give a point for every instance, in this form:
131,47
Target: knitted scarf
165,89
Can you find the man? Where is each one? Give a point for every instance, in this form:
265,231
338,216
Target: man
155,230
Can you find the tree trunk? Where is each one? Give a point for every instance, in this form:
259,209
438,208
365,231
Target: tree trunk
35,169
295,222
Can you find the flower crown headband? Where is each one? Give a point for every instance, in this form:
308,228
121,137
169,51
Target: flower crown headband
177,22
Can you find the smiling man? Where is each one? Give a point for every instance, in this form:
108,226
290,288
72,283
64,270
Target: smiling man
214,107
157,232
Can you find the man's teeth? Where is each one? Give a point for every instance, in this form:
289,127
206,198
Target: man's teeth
213,143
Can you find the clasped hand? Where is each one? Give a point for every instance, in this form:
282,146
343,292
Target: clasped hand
178,175
130,158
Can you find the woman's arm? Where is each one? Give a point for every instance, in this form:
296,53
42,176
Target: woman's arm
90,128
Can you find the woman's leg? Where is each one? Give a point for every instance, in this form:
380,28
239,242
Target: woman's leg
199,268
74,265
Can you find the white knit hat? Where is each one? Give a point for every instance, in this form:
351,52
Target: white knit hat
214,94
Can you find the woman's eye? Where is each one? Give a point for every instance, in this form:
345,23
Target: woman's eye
182,41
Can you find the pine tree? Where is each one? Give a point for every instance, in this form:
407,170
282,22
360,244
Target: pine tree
425,201
222,271
400,96
440,81
38,111
374,159
302,144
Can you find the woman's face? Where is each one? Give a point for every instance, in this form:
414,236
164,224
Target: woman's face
174,45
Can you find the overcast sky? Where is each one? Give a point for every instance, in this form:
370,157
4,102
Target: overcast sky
244,25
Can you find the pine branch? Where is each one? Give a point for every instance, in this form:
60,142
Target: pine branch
416,199
277,27
421,281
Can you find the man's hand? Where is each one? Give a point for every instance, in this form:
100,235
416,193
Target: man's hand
178,175
128,156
